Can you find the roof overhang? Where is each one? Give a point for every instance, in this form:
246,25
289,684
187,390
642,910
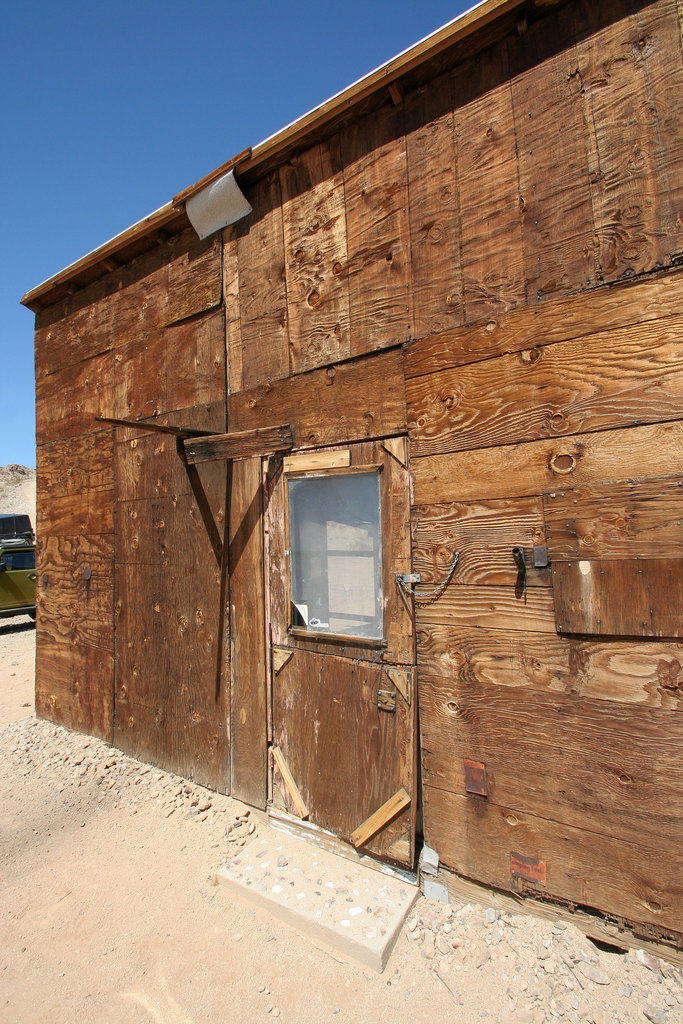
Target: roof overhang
271,151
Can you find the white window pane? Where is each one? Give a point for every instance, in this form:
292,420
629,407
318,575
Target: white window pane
335,554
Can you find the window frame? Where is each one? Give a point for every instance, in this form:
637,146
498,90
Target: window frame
301,632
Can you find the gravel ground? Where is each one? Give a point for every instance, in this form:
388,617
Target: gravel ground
111,913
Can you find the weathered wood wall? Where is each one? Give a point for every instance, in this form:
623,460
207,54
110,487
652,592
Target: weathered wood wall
491,265
517,222
129,622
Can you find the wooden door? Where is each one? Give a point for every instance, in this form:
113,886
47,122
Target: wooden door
343,699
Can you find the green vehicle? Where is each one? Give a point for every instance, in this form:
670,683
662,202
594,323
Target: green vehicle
17,567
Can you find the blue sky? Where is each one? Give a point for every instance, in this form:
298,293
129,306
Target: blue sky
109,109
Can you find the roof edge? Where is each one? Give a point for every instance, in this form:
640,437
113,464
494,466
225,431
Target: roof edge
482,14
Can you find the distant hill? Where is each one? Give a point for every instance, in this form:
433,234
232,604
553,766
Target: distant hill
18,490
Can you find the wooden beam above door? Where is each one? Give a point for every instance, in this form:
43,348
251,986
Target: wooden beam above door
243,444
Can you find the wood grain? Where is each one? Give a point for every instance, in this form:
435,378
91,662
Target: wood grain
556,319
588,869
346,756
231,305
90,387
589,764
436,269
314,220
262,292
74,685
526,469
75,604
638,518
630,70
625,672
378,236
238,444
248,726
174,280
632,597
361,399
495,607
554,184
565,389
492,244
484,533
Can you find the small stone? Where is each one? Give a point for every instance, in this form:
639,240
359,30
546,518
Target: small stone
655,1016
275,1012
491,915
625,991
647,960
594,973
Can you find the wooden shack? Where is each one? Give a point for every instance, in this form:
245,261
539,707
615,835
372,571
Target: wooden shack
388,536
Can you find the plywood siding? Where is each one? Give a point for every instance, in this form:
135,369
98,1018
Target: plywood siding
146,340
573,730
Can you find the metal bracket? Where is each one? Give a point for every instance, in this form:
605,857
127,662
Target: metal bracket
408,578
386,700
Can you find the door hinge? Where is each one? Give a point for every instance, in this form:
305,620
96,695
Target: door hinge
386,700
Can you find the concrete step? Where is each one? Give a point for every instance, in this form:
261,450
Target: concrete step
356,910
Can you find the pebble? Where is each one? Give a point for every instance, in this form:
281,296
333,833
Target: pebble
541,964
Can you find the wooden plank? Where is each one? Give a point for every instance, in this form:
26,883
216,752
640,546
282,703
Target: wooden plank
607,767
362,399
492,244
615,877
76,466
262,293
381,817
289,783
630,71
402,678
621,934
484,533
240,444
314,222
523,469
571,386
348,758
248,726
624,672
557,319
172,281
378,237
633,597
90,387
492,607
194,358
231,305
76,590
74,685
617,519
313,461
280,658
140,377
90,513
554,185
193,747
434,209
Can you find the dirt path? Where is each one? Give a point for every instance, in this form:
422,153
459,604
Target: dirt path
110,912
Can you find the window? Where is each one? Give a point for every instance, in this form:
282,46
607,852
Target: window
335,553
19,559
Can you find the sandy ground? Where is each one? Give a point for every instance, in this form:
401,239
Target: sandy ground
110,912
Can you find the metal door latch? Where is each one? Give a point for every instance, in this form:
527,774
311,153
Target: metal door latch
386,700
